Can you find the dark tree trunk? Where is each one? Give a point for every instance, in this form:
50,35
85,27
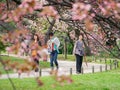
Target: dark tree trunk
49,30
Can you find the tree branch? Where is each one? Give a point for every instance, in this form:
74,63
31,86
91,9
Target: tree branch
49,30
13,86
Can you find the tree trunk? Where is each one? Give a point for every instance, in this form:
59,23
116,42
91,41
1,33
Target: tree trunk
49,30
65,49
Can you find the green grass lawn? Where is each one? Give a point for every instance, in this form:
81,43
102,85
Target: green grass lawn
98,81
69,57
94,59
20,60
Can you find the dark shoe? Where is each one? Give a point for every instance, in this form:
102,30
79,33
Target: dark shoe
52,68
57,67
77,72
36,70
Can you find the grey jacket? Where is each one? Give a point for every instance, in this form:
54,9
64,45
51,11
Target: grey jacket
78,48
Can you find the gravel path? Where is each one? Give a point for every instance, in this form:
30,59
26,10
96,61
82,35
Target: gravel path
64,67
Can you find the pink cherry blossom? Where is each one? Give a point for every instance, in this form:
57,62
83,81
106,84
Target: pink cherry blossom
23,45
8,49
88,7
118,5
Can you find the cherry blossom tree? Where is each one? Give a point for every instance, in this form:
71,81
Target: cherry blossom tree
82,15
97,20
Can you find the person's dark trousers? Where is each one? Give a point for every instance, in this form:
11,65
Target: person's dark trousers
37,63
79,60
53,58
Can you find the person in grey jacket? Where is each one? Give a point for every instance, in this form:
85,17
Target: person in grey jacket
78,51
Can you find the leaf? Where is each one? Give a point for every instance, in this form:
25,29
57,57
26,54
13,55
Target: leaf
39,82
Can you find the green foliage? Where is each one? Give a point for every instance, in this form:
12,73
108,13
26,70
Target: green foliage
70,48
7,26
114,52
2,0
103,54
2,46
